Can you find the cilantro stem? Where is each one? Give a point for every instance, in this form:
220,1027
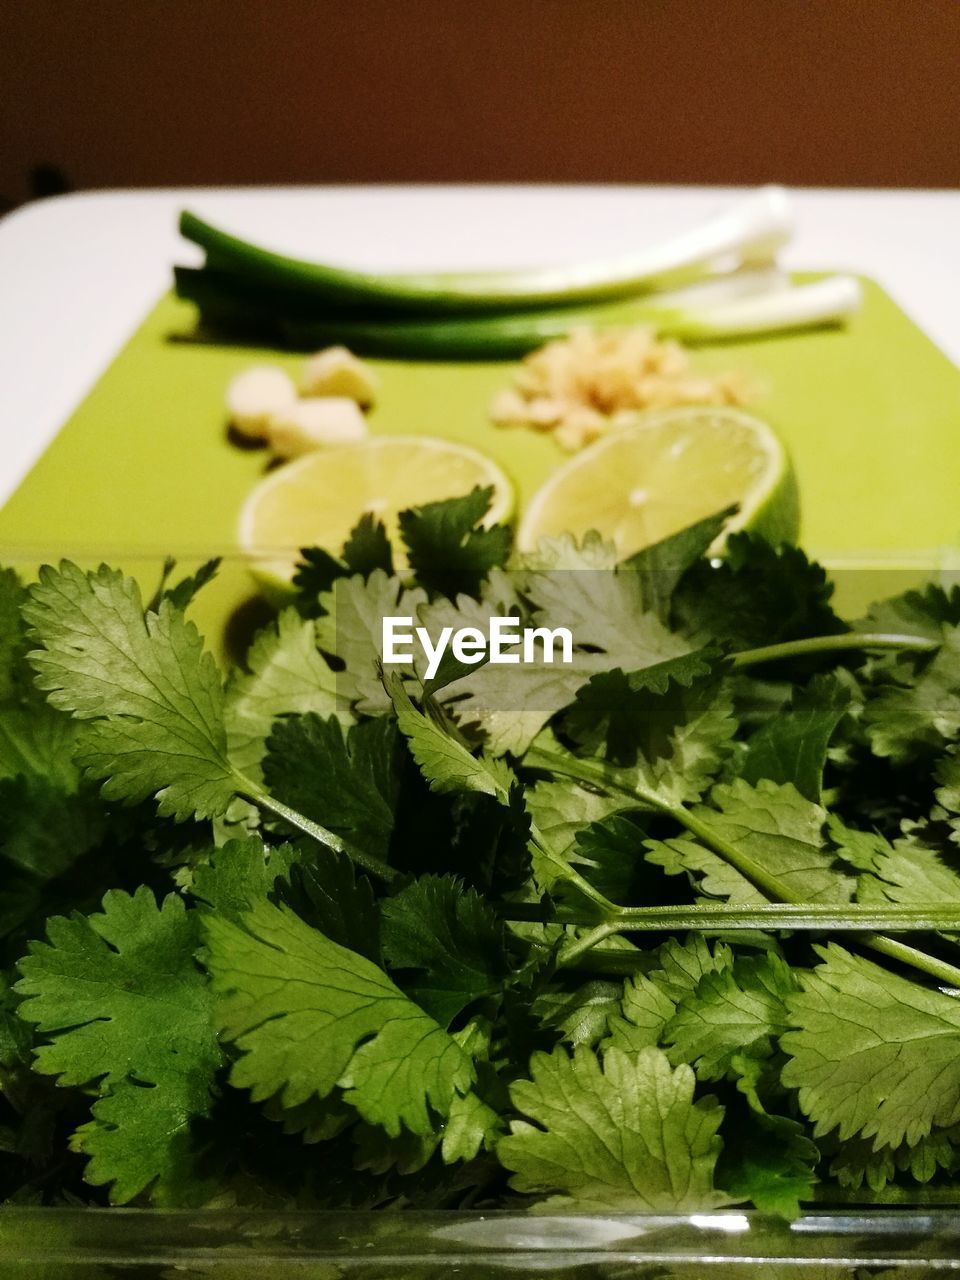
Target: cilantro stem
846,917
263,800
946,973
830,644
573,950
833,917
603,776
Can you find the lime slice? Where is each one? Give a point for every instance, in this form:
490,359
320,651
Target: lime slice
316,500
662,473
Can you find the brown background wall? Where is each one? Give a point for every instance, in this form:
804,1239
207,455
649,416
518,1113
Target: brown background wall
152,92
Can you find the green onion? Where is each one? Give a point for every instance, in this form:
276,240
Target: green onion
749,232
225,300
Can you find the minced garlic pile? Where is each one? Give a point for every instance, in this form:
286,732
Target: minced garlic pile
596,379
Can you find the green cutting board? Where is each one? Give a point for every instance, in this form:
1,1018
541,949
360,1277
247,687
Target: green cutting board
870,414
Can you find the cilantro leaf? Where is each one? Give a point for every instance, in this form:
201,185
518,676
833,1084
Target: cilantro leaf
184,592
776,827
287,675
153,697
607,615
738,1010
768,1160
38,742
918,715
316,572
565,551
673,743
650,1000
582,1016
624,1136
609,853
444,761
857,1162
451,938
366,549
662,565
872,1053
757,595
127,1007
14,674
308,1015
44,833
604,611
352,630
472,1126
558,810
905,871
631,712
240,873
330,896
947,775
929,613
792,746
349,783
448,553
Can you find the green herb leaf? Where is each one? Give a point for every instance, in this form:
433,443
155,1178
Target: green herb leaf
307,1015
185,591
624,1136
777,827
582,1016
929,613
368,547
857,1163
768,1160
38,742
128,1009
662,565
287,676
348,783
239,874
558,812
918,716
448,553
451,938
444,761
873,1053
14,673
605,614
330,896
738,1010
637,711
152,696
352,630
792,747
758,595
650,1000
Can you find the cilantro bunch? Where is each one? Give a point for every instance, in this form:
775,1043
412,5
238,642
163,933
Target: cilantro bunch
667,928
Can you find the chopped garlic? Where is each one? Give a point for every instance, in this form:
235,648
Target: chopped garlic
596,379
315,422
337,372
255,395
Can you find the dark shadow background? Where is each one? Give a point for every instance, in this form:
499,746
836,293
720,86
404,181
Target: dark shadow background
101,93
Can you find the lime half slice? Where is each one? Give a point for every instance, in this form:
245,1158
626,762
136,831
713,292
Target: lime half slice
316,500
668,470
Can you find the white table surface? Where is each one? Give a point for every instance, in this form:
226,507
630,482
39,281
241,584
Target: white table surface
78,272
